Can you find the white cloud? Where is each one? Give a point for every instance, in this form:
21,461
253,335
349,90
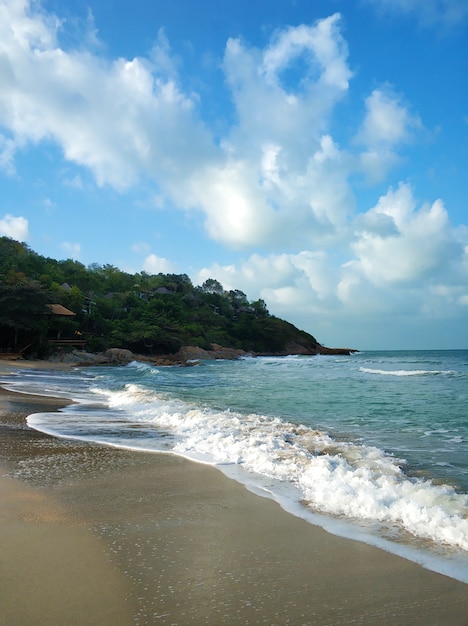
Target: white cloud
281,177
267,181
278,177
323,47
7,153
154,265
440,13
402,261
387,121
14,227
117,118
387,125
73,250
164,62
304,282
421,242
410,263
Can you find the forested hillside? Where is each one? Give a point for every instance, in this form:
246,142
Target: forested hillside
103,307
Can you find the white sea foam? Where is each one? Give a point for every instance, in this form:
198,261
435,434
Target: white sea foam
333,477
141,366
368,370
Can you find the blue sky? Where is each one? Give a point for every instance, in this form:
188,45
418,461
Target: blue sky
310,153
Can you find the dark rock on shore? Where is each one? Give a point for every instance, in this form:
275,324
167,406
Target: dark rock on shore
188,355
342,351
314,349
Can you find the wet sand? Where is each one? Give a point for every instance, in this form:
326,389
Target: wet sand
95,535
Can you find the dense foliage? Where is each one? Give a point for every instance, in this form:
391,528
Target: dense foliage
148,314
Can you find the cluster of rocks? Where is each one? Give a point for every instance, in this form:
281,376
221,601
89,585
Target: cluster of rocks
187,355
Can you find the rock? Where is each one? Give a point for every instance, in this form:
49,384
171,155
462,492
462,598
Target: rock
194,353
164,361
219,352
119,356
187,355
339,351
293,347
89,358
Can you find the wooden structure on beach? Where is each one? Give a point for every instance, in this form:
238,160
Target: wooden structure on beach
8,355
53,310
62,343
75,342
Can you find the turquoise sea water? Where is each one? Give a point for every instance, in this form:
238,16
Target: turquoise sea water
373,446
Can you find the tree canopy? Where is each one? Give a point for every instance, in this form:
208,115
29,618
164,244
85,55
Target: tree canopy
148,314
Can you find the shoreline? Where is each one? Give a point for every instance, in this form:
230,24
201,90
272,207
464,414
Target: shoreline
166,541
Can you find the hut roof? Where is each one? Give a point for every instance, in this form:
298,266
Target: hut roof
58,309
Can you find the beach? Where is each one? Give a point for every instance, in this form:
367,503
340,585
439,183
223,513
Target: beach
97,535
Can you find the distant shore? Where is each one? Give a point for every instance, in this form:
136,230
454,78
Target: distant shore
95,535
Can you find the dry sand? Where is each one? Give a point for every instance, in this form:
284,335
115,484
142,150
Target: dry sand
99,536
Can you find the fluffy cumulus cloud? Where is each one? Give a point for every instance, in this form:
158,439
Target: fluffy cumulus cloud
275,176
387,125
419,243
14,227
401,259
407,258
121,118
280,176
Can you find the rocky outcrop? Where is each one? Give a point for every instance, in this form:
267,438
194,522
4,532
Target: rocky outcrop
113,356
78,357
293,347
187,355
340,351
216,352
296,348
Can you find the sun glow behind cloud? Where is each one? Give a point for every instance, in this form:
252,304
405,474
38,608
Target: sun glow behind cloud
277,179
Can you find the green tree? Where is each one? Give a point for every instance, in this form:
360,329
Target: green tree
211,285
260,308
22,311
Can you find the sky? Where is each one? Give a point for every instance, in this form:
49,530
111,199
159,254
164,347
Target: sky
310,153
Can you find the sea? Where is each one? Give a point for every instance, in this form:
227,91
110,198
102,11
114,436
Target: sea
372,446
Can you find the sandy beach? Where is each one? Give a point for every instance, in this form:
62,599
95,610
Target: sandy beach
95,535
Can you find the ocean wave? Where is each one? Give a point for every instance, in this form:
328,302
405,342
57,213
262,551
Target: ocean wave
338,478
367,370
143,367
